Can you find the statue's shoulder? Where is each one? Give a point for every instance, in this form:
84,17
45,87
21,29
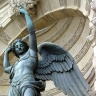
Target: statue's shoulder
29,53
33,53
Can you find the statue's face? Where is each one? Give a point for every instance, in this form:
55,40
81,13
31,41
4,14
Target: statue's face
20,48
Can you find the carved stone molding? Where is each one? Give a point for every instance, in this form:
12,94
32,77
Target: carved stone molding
83,51
92,36
5,16
87,66
3,3
61,31
76,36
38,34
91,77
50,18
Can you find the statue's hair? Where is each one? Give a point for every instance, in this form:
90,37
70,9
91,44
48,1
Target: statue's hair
13,46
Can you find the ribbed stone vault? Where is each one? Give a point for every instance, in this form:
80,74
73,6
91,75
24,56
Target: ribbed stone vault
67,23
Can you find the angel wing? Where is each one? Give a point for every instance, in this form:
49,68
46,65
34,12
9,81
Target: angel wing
59,66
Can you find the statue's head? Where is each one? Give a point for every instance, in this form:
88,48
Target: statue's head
19,47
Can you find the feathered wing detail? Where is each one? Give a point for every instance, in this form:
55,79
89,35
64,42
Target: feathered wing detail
59,66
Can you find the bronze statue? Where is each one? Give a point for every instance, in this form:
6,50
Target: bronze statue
56,65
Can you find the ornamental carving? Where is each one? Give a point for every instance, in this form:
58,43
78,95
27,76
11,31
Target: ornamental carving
83,51
15,4
92,36
76,36
87,66
58,34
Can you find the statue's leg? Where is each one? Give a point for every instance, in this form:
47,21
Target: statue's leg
29,92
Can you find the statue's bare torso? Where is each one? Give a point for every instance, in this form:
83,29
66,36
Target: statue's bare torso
25,65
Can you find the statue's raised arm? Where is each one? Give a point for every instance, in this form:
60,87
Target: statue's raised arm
22,78
6,63
31,30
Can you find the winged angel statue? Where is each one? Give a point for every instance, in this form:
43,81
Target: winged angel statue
28,74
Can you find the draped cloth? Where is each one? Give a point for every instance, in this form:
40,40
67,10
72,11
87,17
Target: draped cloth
18,87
